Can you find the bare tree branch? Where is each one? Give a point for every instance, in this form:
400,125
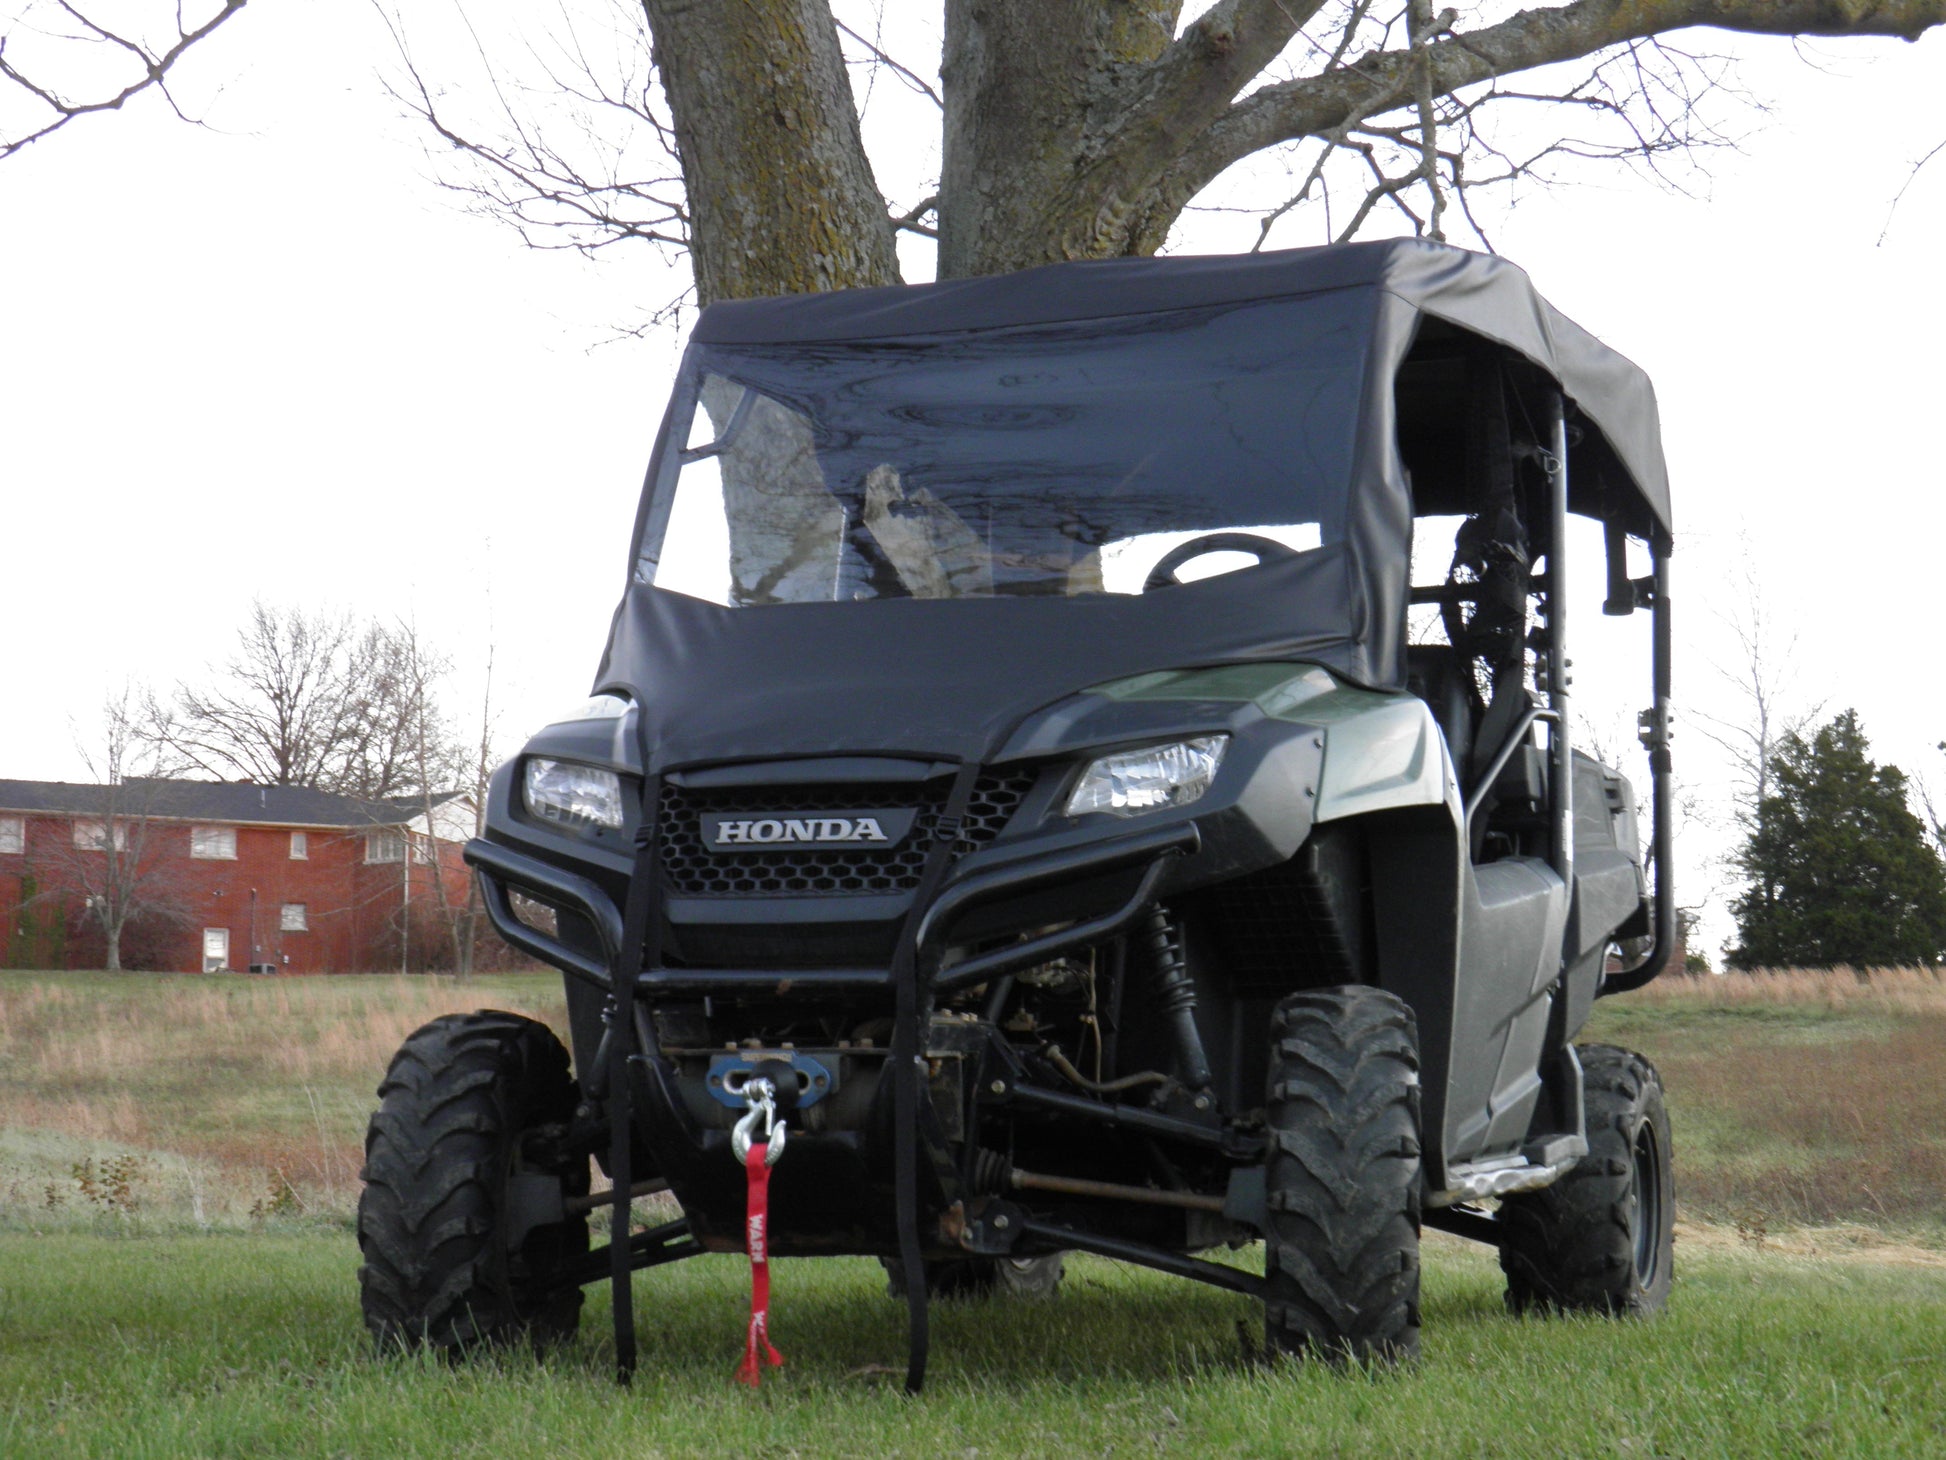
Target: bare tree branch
1313,105
65,107
1899,196
910,77
909,222
526,179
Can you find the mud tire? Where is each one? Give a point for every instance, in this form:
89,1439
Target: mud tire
1602,1238
1342,1177
457,1107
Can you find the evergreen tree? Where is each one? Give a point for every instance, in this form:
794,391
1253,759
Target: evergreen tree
1839,868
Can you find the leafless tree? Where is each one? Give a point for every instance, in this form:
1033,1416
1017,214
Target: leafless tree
485,758
1932,807
439,761
401,740
61,61
1082,129
1767,711
316,699
279,712
118,864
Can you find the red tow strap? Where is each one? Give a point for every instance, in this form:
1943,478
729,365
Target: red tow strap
756,1231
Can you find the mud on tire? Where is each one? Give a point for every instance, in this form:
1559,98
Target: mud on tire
1342,1176
458,1106
1601,1239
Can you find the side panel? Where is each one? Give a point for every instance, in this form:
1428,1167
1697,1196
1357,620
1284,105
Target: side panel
1514,913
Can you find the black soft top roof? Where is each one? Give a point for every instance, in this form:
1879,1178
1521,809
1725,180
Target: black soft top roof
1482,295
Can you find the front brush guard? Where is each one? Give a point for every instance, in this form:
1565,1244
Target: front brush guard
631,941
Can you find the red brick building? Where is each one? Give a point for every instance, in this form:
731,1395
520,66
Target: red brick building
221,875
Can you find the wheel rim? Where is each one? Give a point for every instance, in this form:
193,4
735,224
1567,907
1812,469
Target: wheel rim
1648,1204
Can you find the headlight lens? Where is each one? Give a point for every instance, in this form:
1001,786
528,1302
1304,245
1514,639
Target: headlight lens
1148,780
571,795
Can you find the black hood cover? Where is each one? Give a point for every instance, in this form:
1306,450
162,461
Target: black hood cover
937,678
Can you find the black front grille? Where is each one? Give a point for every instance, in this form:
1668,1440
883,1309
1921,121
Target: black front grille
690,869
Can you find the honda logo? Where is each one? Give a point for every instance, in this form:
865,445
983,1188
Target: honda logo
745,831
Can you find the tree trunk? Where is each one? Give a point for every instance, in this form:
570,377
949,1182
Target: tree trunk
781,196
1020,82
1065,117
112,959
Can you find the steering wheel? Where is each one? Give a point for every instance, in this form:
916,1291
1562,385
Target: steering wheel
1265,549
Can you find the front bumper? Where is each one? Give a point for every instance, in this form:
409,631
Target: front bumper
1139,859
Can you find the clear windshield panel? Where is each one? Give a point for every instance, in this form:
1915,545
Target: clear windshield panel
1054,460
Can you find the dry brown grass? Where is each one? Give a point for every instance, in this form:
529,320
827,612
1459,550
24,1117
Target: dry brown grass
1802,1097
1906,990
223,1089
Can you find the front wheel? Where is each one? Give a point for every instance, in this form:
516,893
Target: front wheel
1602,1238
1342,1176
450,1258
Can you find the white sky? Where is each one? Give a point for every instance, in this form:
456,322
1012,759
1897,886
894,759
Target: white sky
271,359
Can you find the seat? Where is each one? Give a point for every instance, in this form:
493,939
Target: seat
1438,675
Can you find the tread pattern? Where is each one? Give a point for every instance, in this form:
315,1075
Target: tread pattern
1572,1246
454,1105
1342,1176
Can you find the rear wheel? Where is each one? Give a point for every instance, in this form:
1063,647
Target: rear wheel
1342,1176
976,1277
1602,1238
471,1105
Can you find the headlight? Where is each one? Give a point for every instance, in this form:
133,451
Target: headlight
1147,780
575,796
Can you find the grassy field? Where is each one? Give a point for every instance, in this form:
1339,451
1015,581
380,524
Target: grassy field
208,1096
249,1346
178,1162
1800,1098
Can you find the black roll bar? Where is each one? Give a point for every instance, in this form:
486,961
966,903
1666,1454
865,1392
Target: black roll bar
1655,736
1560,832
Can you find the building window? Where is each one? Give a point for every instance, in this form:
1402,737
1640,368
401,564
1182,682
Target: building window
13,833
213,843
294,918
385,846
300,846
92,836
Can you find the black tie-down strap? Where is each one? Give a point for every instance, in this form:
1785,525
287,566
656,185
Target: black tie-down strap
641,946
908,1050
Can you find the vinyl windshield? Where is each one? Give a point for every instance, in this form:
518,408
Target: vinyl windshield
1049,460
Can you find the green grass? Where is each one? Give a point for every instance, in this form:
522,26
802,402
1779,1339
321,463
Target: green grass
251,1346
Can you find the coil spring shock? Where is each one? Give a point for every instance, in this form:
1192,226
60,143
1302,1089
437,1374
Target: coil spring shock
1176,996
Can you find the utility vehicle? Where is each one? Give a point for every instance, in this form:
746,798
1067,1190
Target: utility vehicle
1024,767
